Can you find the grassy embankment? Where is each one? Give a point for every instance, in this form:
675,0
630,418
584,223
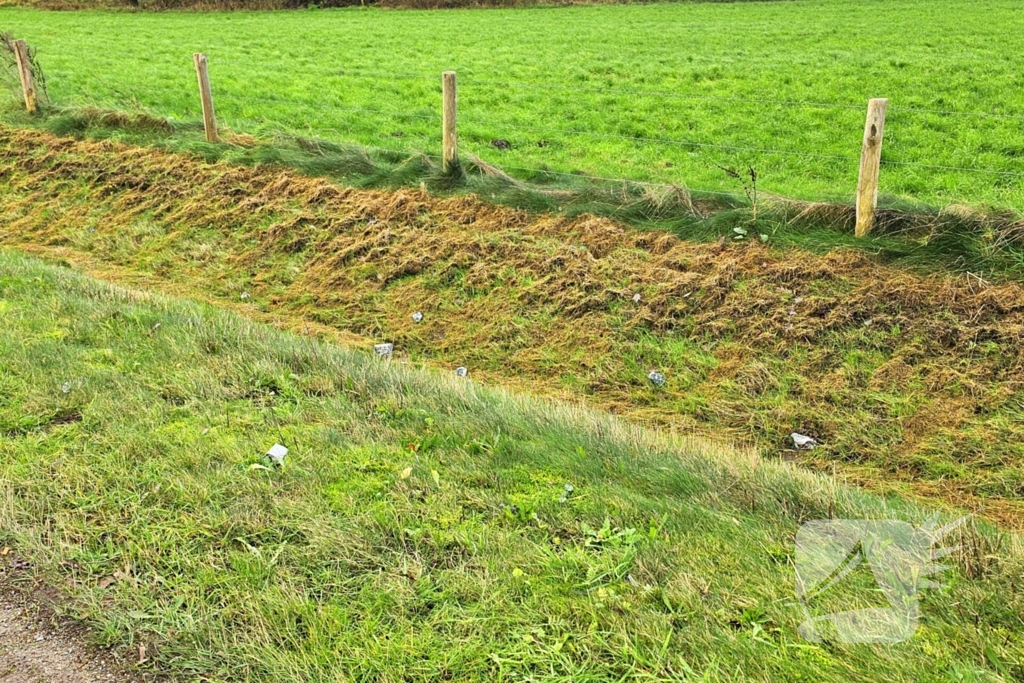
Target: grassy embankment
416,531
912,382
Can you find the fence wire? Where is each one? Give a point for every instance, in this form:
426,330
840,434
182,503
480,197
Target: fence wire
123,91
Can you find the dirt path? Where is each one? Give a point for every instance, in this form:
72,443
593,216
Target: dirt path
36,646
33,651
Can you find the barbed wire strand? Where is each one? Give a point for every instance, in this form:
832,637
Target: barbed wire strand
361,110
468,81
665,141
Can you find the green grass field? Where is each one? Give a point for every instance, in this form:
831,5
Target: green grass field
420,528
738,75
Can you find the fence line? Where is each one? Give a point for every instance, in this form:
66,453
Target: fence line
361,110
870,157
667,141
547,86
542,86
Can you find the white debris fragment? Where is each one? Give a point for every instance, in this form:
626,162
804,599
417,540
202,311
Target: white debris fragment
803,443
244,295
277,453
461,371
657,379
636,298
417,317
384,350
66,387
566,492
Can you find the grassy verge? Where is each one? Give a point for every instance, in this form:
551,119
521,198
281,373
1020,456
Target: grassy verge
910,381
419,529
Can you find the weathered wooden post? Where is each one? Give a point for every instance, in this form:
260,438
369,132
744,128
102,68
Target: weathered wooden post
450,138
870,162
209,117
28,84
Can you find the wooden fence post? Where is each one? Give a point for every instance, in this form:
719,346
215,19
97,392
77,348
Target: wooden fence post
870,162
449,140
28,84
209,117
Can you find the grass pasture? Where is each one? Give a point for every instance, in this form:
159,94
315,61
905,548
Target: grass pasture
419,529
777,86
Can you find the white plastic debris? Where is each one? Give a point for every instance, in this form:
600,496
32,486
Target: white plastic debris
566,492
417,317
66,387
636,298
384,350
461,371
244,295
277,453
657,379
803,443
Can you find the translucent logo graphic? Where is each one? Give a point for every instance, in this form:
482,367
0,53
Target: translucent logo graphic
900,558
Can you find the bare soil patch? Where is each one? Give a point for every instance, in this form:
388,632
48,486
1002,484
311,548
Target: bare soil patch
36,646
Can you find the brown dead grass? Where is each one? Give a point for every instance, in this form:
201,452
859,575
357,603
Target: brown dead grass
912,382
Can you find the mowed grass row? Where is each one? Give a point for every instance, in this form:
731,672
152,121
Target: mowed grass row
421,527
780,86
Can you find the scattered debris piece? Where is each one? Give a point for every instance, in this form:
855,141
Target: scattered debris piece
566,492
461,372
417,317
384,350
66,387
657,379
501,144
276,454
244,295
803,443
636,298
